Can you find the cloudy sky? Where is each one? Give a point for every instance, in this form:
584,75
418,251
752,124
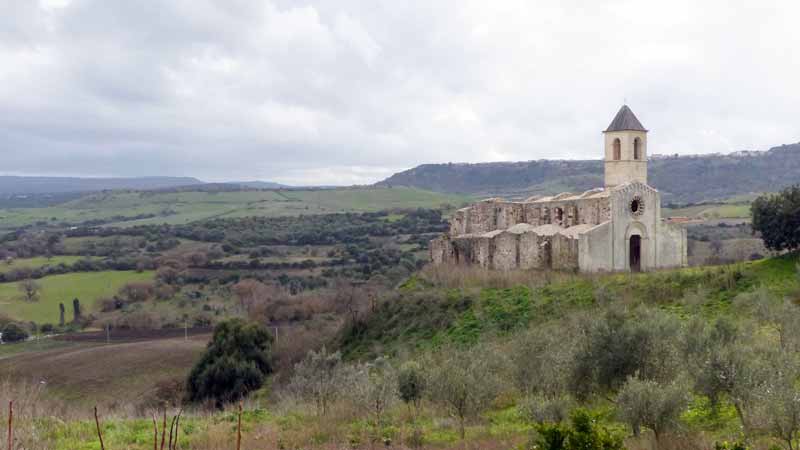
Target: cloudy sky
346,91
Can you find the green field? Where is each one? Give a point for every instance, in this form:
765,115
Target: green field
39,261
711,211
185,207
87,287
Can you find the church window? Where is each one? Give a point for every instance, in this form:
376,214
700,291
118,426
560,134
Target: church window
617,150
637,149
637,206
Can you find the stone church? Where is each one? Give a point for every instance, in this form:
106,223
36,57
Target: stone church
613,228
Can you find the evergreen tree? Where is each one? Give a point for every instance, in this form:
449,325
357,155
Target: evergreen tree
235,363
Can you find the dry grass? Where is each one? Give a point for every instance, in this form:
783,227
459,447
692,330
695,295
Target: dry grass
476,277
30,404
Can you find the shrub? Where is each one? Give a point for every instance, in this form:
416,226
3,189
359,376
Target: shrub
542,409
583,433
235,363
137,292
320,378
12,332
375,388
411,383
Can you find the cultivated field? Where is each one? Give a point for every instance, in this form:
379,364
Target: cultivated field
183,207
106,374
87,287
711,211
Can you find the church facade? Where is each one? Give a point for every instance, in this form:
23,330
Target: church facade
615,228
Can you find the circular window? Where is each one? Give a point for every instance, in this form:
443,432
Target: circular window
637,206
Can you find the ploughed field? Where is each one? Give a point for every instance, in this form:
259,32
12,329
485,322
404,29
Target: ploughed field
84,372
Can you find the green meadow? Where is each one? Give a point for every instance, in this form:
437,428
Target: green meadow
86,286
38,261
184,207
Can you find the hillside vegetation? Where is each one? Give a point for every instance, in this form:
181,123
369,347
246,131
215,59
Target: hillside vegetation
594,341
681,179
461,305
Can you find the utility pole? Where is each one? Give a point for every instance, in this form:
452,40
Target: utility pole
108,334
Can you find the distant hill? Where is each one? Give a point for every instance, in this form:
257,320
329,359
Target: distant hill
10,185
681,179
258,184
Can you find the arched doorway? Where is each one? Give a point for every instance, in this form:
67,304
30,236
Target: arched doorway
635,253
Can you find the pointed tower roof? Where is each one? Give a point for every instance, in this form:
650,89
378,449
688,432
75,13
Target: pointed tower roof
625,120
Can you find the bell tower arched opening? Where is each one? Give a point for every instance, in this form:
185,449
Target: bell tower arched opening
625,150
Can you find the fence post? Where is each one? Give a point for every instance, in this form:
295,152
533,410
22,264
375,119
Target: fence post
239,428
99,434
10,425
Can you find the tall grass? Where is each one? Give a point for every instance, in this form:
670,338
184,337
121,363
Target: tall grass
452,277
30,406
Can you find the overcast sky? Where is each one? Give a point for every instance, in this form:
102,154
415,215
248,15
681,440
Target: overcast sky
346,92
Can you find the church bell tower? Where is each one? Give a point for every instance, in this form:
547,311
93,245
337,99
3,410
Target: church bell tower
626,149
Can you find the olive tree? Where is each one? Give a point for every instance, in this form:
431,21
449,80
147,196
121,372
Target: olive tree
374,387
779,399
620,344
320,378
651,404
722,360
541,358
463,381
411,384
783,315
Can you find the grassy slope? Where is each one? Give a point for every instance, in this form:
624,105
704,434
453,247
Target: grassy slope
424,314
87,287
184,207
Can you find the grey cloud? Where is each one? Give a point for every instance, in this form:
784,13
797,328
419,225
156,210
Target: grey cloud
346,91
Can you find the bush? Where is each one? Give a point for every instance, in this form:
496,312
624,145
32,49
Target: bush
542,409
320,378
583,433
12,332
411,383
235,363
